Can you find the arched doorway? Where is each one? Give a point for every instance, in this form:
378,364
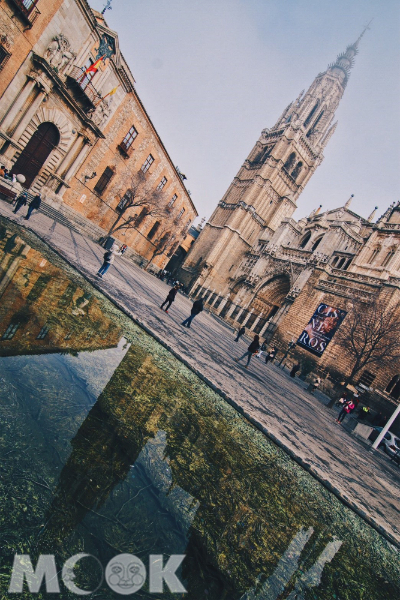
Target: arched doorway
36,152
269,299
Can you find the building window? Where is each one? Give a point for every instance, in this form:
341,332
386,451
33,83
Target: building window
316,244
311,114
104,180
180,214
388,257
38,288
367,378
10,331
305,240
28,5
393,387
162,183
374,254
128,140
124,200
172,201
153,230
290,161
296,171
43,332
4,54
147,163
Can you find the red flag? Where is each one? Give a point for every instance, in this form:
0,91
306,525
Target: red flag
95,66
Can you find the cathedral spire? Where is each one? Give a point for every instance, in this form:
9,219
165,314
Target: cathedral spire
345,61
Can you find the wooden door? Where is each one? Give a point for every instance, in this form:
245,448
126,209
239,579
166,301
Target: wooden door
36,152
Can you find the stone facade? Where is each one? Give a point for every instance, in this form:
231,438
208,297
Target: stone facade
332,258
257,267
86,142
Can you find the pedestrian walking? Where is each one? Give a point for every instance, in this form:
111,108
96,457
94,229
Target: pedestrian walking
241,332
34,205
295,368
108,260
196,309
271,355
348,407
252,349
314,385
21,201
2,171
170,298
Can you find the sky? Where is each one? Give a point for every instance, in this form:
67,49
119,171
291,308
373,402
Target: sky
213,73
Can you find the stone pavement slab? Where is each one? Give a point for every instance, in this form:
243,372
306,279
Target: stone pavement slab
267,396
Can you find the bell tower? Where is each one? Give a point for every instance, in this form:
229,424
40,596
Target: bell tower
267,186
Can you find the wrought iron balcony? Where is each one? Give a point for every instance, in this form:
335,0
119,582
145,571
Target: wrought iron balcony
27,10
80,83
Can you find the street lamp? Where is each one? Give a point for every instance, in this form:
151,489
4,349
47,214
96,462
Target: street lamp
290,347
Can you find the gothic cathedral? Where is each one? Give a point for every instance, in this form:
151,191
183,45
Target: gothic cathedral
267,186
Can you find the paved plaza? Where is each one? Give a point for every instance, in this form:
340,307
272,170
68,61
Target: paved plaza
279,405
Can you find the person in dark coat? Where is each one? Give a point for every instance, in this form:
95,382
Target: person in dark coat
252,349
21,201
241,332
294,370
196,309
170,298
34,205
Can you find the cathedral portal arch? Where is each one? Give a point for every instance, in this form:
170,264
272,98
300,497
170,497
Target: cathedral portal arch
268,299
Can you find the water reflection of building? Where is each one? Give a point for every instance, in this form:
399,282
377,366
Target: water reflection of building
158,466
119,433
42,310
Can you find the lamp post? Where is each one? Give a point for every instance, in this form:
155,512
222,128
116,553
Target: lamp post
290,347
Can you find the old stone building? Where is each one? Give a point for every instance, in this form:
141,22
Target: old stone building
257,267
72,123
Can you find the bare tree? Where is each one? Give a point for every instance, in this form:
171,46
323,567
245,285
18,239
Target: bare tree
142,195
370,335
168,231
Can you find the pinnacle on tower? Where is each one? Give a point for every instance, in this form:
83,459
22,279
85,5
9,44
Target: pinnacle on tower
347,205
372,215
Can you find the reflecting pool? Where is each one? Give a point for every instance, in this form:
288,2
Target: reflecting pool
109,445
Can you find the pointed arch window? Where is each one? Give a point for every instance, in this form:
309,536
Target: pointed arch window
290,161
305,240
316,244
311,114
374,254
297,170
388,257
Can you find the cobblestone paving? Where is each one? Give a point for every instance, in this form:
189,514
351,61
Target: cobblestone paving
281,406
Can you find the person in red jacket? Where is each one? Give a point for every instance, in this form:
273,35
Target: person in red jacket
252,349
347,408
